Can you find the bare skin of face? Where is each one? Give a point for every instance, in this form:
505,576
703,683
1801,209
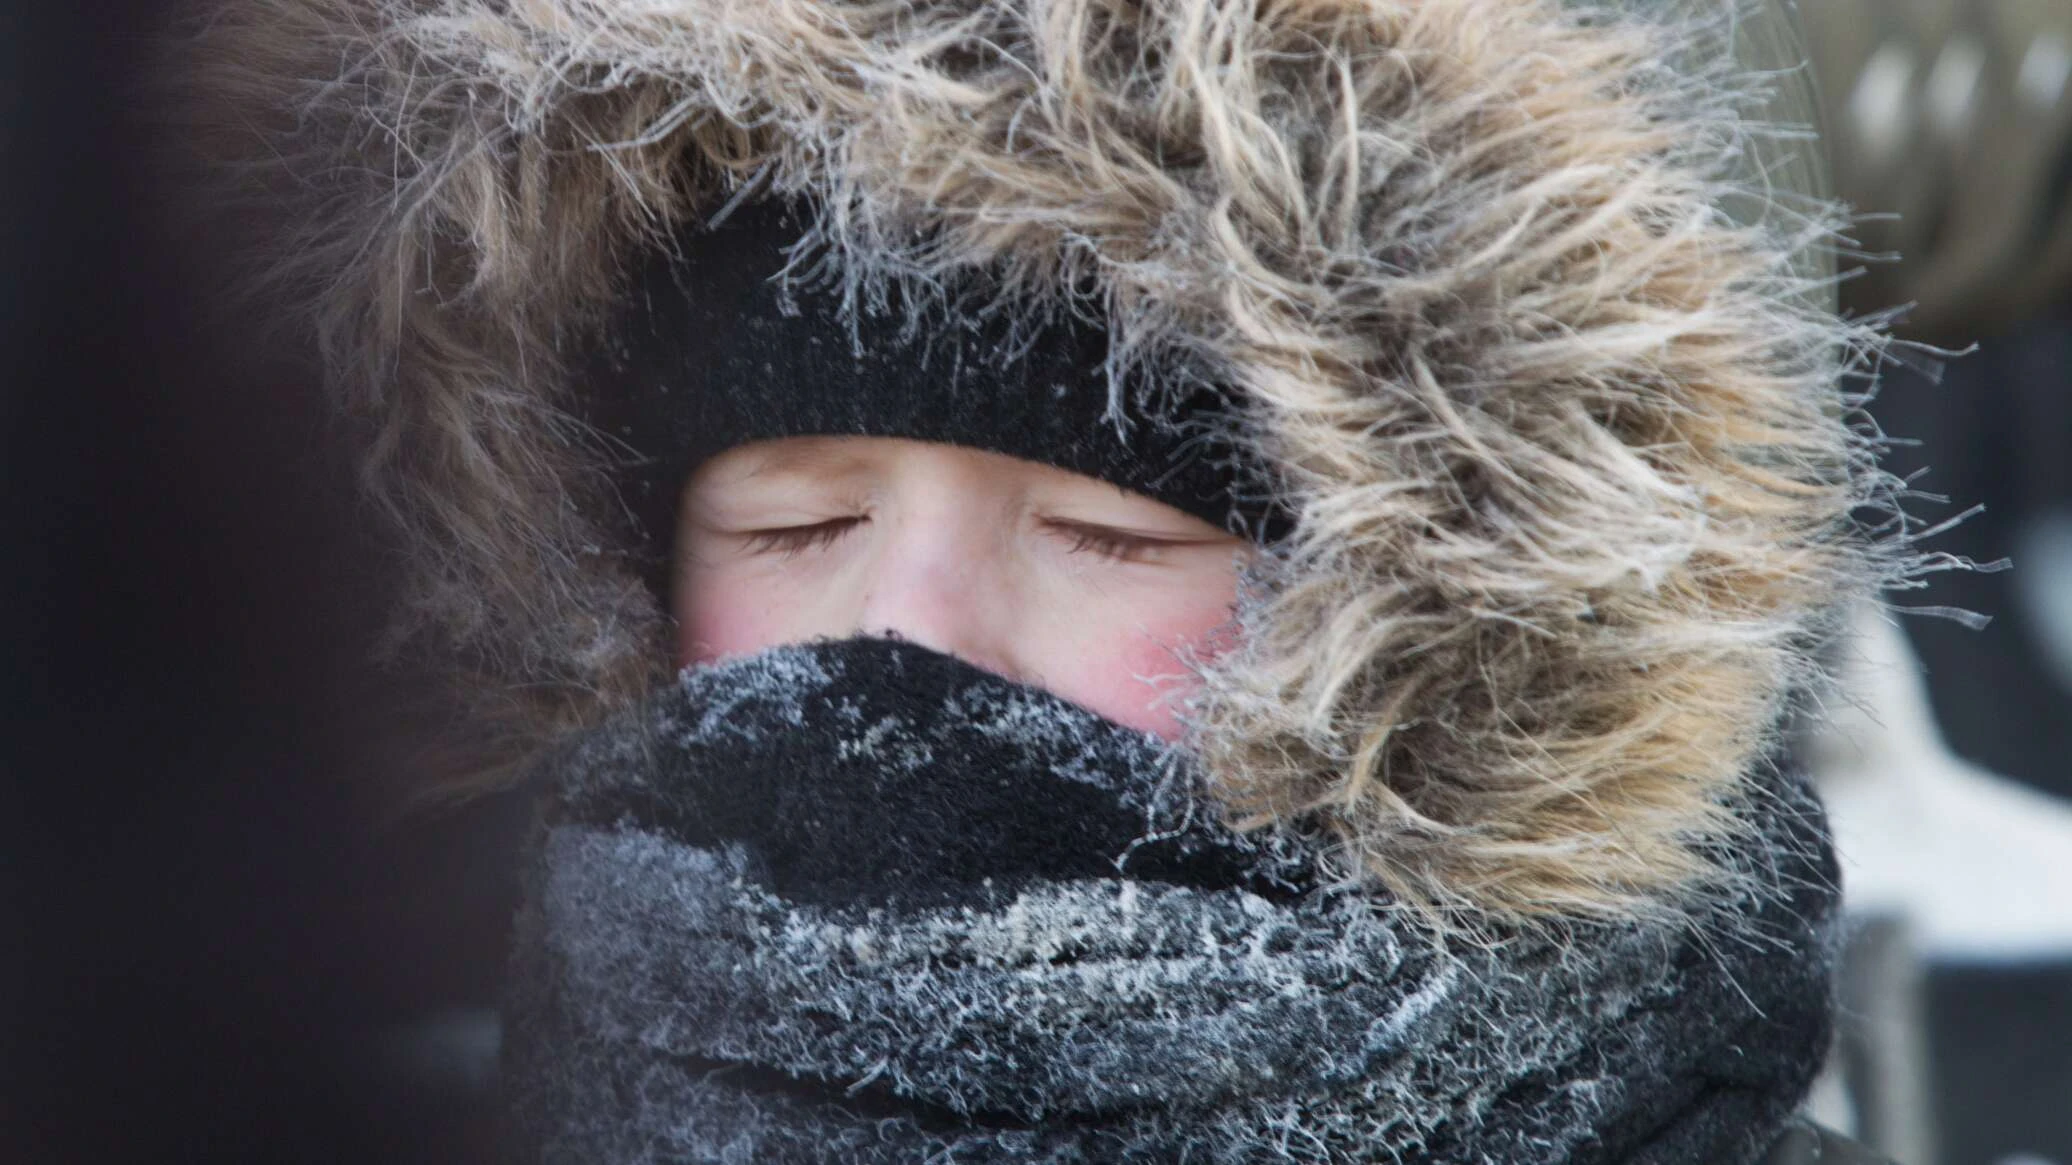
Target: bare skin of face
1047,577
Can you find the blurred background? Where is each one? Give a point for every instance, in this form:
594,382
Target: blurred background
216,946
1949,770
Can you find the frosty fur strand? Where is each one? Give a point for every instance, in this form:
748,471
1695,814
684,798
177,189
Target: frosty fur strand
1566,444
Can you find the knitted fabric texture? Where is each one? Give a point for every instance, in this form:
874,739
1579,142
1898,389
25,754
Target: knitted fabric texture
860,902
724,343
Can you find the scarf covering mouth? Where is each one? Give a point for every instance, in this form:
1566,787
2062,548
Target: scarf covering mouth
860,902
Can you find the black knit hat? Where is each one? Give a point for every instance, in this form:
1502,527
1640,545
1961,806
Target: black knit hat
718,347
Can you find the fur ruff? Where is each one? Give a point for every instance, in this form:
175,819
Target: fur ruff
1565,440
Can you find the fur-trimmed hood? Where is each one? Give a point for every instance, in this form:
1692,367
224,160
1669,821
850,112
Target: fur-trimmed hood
1520,312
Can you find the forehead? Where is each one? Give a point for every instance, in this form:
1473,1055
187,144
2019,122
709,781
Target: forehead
803,456
850,457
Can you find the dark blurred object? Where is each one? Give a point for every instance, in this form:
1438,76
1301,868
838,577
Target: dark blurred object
1999,1036
1952,121
1883,1042
1997,431
203,926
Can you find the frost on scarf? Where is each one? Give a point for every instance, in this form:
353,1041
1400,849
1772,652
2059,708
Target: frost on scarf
861,902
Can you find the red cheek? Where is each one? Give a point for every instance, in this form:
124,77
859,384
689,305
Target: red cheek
1150,658
1161,648
719,625
1150,677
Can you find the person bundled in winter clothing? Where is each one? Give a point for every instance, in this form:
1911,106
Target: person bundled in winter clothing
1106,580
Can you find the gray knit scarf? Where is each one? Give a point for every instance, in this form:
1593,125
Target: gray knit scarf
859,902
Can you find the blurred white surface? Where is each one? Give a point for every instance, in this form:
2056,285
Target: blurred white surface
1980,866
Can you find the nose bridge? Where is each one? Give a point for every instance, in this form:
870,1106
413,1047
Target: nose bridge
940,580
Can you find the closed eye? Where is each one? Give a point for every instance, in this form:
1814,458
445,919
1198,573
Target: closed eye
791,540
1108,543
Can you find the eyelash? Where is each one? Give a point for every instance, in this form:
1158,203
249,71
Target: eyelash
790,540
1104,544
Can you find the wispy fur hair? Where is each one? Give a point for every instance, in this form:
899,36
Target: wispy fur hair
1565,441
